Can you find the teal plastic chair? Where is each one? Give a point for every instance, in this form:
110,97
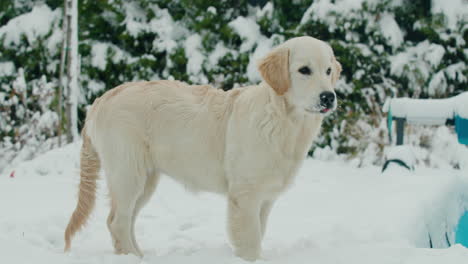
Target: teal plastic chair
461,233
461,127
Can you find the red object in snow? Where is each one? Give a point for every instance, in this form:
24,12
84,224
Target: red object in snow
12,174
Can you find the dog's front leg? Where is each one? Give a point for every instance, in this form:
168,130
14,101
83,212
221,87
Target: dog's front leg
244,226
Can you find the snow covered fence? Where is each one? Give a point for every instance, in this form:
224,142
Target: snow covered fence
429,112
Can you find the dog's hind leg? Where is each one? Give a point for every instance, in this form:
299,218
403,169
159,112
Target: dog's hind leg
126,177
110,219
120,219
150,186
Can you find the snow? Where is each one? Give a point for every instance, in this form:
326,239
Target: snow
170,35
424,55
32,25
192,46
455,71
55,39
318,9
133,19
264,46
7,68
438,84
404,153
167,30
461,107
101,51
453,11
19,84
446,152
428,111
417,63
391,30
195,57
321,9
248,30
266,11
334,213
47,120
218,53
434,54
99,54
212,10
364,49
95,86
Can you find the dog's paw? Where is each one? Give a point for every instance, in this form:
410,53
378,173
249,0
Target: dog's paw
248,254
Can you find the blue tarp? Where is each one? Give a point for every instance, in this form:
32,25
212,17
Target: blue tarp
461,126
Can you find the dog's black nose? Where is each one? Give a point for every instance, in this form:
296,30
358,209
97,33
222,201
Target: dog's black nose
327,99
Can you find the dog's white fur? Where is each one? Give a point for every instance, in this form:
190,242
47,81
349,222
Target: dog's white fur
247,143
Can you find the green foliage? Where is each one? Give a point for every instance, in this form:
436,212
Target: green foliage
179,59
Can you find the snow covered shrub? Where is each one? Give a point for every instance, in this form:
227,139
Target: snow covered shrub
27,122
28,44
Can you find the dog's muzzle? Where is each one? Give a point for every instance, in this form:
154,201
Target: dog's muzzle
327,101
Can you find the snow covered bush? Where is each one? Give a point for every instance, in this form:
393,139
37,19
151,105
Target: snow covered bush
28,44
27,122
387,48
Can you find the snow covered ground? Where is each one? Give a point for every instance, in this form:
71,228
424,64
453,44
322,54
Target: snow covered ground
334,213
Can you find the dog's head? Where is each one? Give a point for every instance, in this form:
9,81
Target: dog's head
305,71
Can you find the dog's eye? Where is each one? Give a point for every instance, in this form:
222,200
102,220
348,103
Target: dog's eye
305,70
328,71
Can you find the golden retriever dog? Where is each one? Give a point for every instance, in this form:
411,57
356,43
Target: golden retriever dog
247,143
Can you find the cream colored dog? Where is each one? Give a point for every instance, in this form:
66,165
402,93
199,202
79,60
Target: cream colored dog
247,143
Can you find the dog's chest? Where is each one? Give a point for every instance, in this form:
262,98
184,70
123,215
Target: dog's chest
291,150
267,156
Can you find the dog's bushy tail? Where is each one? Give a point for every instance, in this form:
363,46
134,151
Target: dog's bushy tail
89,169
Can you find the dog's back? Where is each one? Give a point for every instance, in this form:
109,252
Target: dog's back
179,128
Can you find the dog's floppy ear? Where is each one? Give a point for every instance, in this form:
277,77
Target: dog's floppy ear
336,71
274,68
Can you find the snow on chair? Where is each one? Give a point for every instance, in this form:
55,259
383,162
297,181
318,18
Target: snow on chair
450,111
